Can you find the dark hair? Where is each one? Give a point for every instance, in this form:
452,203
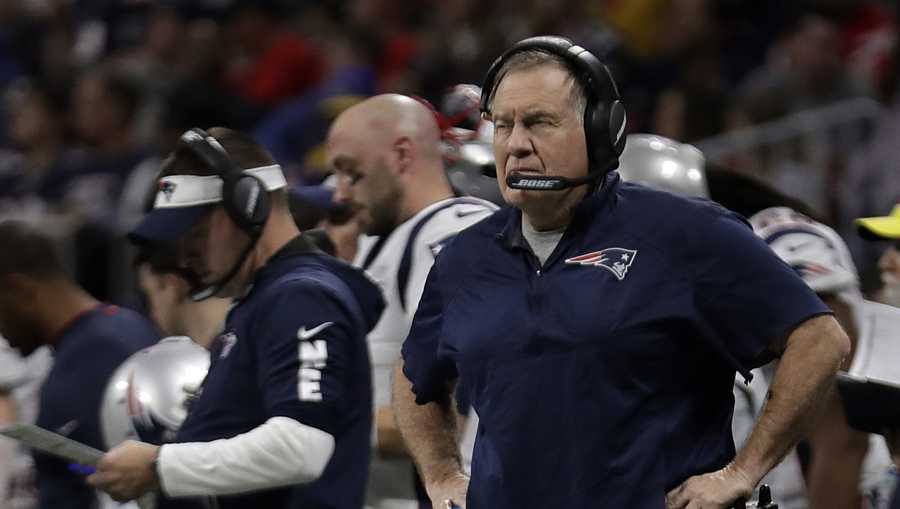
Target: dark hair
26,250
243,150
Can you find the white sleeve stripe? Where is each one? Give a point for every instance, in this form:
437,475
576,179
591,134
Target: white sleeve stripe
280,452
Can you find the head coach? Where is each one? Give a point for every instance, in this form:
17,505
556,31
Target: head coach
598,325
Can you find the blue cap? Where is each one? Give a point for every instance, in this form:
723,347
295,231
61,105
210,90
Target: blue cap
167,224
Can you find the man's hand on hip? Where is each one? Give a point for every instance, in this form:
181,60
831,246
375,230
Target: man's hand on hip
715,490
450,489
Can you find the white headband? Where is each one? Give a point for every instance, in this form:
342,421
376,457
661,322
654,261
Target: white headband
178,191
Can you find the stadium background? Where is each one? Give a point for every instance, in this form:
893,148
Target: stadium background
799,94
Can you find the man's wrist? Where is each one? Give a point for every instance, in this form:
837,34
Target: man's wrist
154,469
445,472
746,477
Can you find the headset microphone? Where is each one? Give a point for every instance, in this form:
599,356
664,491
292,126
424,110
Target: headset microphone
604,116
204,292
545,183
244,198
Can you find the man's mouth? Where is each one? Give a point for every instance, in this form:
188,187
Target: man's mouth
524,172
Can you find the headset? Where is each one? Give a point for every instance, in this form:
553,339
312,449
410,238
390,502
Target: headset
604,116
244,196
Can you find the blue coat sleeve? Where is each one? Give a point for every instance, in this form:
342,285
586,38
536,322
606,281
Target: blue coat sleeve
425,365
310,350
747,299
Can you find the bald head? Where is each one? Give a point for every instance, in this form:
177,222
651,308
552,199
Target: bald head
380,121
386,154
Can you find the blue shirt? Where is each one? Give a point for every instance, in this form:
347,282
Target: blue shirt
603,378
86,354
262,367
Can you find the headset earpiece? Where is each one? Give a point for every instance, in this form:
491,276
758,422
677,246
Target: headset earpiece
250,203
244,196
604,116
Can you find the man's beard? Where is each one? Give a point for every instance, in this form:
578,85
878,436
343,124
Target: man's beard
890,292
386,215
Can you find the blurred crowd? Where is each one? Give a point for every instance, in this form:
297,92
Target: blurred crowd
801,95
96,90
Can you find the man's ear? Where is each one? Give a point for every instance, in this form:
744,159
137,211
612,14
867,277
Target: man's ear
404,151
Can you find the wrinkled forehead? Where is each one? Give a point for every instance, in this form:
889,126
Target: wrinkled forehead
544,86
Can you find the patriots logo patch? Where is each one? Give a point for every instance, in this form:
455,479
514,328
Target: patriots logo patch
614,259
167,189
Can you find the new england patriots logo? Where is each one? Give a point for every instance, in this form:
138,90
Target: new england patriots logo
614,259
167,189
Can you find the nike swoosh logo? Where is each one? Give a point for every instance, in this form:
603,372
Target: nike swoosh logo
802,245
303,334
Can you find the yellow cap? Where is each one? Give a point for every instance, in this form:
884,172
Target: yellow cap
885,227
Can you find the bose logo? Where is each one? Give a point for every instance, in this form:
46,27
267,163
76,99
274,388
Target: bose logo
537,183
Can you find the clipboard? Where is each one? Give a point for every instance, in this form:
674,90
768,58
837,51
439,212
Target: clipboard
870,404
49,442
52,443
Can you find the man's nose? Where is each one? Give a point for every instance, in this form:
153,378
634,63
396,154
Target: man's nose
342,193
520,144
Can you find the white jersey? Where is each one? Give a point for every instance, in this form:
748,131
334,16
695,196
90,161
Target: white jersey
399,264
877,355
22,378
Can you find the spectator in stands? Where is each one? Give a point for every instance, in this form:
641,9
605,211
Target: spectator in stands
271,62
103,109
805,71
38,135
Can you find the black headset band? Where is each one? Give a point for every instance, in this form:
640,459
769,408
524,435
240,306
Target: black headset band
210,152
249,214
603,118
594,76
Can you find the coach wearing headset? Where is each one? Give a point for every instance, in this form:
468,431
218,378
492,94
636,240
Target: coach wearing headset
598,325
287,400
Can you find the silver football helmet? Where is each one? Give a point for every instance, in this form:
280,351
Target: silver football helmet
666,164
147,397
468,148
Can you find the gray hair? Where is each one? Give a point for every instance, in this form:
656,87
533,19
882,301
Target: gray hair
537,57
